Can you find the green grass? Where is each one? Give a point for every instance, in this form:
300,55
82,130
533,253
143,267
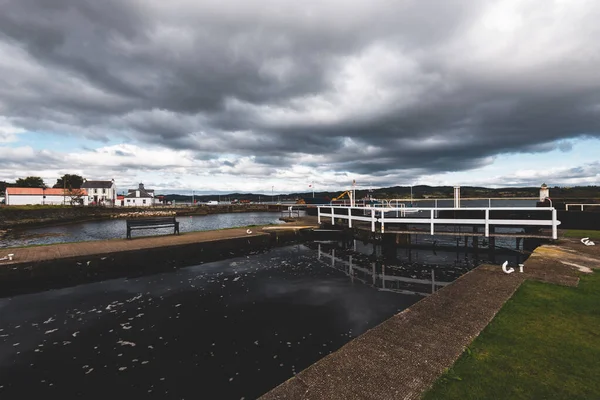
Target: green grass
580,233
543,344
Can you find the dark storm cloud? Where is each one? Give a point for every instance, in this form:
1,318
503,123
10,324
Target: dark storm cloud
375,88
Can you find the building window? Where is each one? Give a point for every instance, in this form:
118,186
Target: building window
103,191
144,201
128,200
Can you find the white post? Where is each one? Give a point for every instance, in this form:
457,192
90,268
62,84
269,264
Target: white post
582,207
319,215
487,223
431,220
332,218
372,220
436,206
382,221
489,203
456,196
349,217
554,225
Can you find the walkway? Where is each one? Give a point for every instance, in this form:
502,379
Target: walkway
402,357
103,247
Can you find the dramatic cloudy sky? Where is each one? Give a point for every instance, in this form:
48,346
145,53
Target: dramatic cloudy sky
259,94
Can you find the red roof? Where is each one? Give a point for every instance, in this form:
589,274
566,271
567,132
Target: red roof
40,191
120,197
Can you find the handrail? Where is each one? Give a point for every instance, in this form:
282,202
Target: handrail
581,205
432,218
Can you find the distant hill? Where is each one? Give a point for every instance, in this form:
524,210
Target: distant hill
418,192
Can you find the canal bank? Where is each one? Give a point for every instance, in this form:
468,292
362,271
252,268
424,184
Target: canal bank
403,356
59,265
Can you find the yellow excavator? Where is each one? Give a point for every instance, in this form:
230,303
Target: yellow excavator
347,192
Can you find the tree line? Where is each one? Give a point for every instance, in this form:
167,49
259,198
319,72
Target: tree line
67,181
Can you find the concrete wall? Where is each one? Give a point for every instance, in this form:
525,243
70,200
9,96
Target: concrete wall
36,199
137,202
19,200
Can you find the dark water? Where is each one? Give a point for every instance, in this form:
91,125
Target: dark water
228,330
116,228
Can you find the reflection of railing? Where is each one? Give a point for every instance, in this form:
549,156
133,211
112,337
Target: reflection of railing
580,205
292,211
382,278
430,217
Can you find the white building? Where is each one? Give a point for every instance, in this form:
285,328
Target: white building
102,193
139,197
16,196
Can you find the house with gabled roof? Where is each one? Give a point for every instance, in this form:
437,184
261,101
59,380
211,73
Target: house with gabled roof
140,197
102,193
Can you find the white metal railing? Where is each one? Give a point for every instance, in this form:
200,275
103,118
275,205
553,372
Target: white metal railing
581,206
377,215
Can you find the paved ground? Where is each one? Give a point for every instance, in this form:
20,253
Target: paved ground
402,357
68,250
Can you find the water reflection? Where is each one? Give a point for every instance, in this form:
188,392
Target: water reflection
376,276
116,228
235,328
409,269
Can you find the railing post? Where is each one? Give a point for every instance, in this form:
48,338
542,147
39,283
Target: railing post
319,215
332,218
487,223
349,217
431,220
372,220
554,225
382,221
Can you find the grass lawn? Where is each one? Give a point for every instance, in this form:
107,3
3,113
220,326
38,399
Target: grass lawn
543,344
580,233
